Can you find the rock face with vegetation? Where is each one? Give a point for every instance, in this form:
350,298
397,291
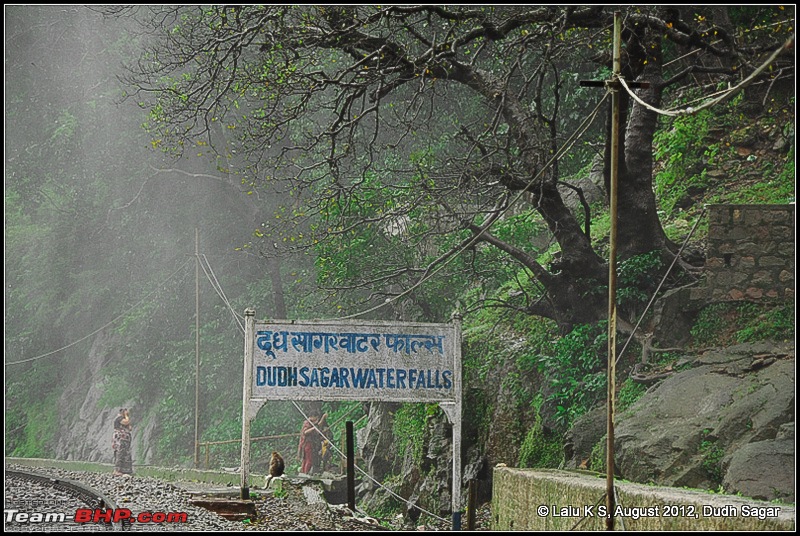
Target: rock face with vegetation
720,422
719,418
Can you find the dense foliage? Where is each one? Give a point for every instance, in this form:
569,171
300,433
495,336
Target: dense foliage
400,136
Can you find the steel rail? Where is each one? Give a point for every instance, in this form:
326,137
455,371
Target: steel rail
89,496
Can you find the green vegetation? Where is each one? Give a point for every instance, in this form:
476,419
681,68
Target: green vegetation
629,393
764,322
575,371
31,429
498,339
540,448
637,279
712,455
409,429
41,429
731,323
710,157
681,159
371,208
597,460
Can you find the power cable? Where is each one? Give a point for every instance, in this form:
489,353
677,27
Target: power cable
726,95
215,284
102,327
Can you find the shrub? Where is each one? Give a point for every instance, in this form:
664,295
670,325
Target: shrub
574,369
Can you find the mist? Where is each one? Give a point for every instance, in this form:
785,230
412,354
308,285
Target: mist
100,264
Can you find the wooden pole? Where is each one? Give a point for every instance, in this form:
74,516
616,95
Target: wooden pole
351,467
472,499
612,273
247,391
614,86
196,347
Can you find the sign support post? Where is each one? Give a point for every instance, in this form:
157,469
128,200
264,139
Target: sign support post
453,412
247,389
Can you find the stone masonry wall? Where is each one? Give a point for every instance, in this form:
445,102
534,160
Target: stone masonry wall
553,501
750,254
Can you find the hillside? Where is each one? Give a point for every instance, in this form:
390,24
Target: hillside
531,409
396,164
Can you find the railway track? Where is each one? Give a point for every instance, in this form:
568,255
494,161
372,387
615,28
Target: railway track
54,499
36,501
55,491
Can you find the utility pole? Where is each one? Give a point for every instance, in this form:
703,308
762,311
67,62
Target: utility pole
614,86
196,347
612,276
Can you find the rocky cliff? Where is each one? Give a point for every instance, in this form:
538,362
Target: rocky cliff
85,434
725,424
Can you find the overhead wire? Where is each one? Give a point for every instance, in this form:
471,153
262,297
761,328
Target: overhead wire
663,279
726,93
210,275
104,326
215,284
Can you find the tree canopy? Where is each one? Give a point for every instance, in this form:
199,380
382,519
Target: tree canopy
405,139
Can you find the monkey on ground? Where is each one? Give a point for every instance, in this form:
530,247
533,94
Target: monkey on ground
276,467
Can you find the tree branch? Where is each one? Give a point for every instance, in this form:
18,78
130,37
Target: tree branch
526,260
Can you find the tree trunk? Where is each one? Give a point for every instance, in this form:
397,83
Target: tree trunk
639,228
274,268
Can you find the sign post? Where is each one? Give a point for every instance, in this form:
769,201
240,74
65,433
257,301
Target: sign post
249,323
352,360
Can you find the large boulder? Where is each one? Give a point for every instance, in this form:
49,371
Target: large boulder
674,315
689,429
587,431
759,470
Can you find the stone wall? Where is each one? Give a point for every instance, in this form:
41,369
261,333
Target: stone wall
750,255
551,500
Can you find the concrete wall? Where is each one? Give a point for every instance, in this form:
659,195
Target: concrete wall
542,499
750,253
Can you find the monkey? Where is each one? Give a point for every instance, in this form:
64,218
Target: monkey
276,467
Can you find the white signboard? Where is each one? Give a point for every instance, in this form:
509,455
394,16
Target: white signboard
379,361
352,360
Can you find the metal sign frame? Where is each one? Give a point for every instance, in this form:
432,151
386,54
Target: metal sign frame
352,360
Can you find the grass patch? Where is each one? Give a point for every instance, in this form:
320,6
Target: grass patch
728,323
629,393
540,448
712,456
